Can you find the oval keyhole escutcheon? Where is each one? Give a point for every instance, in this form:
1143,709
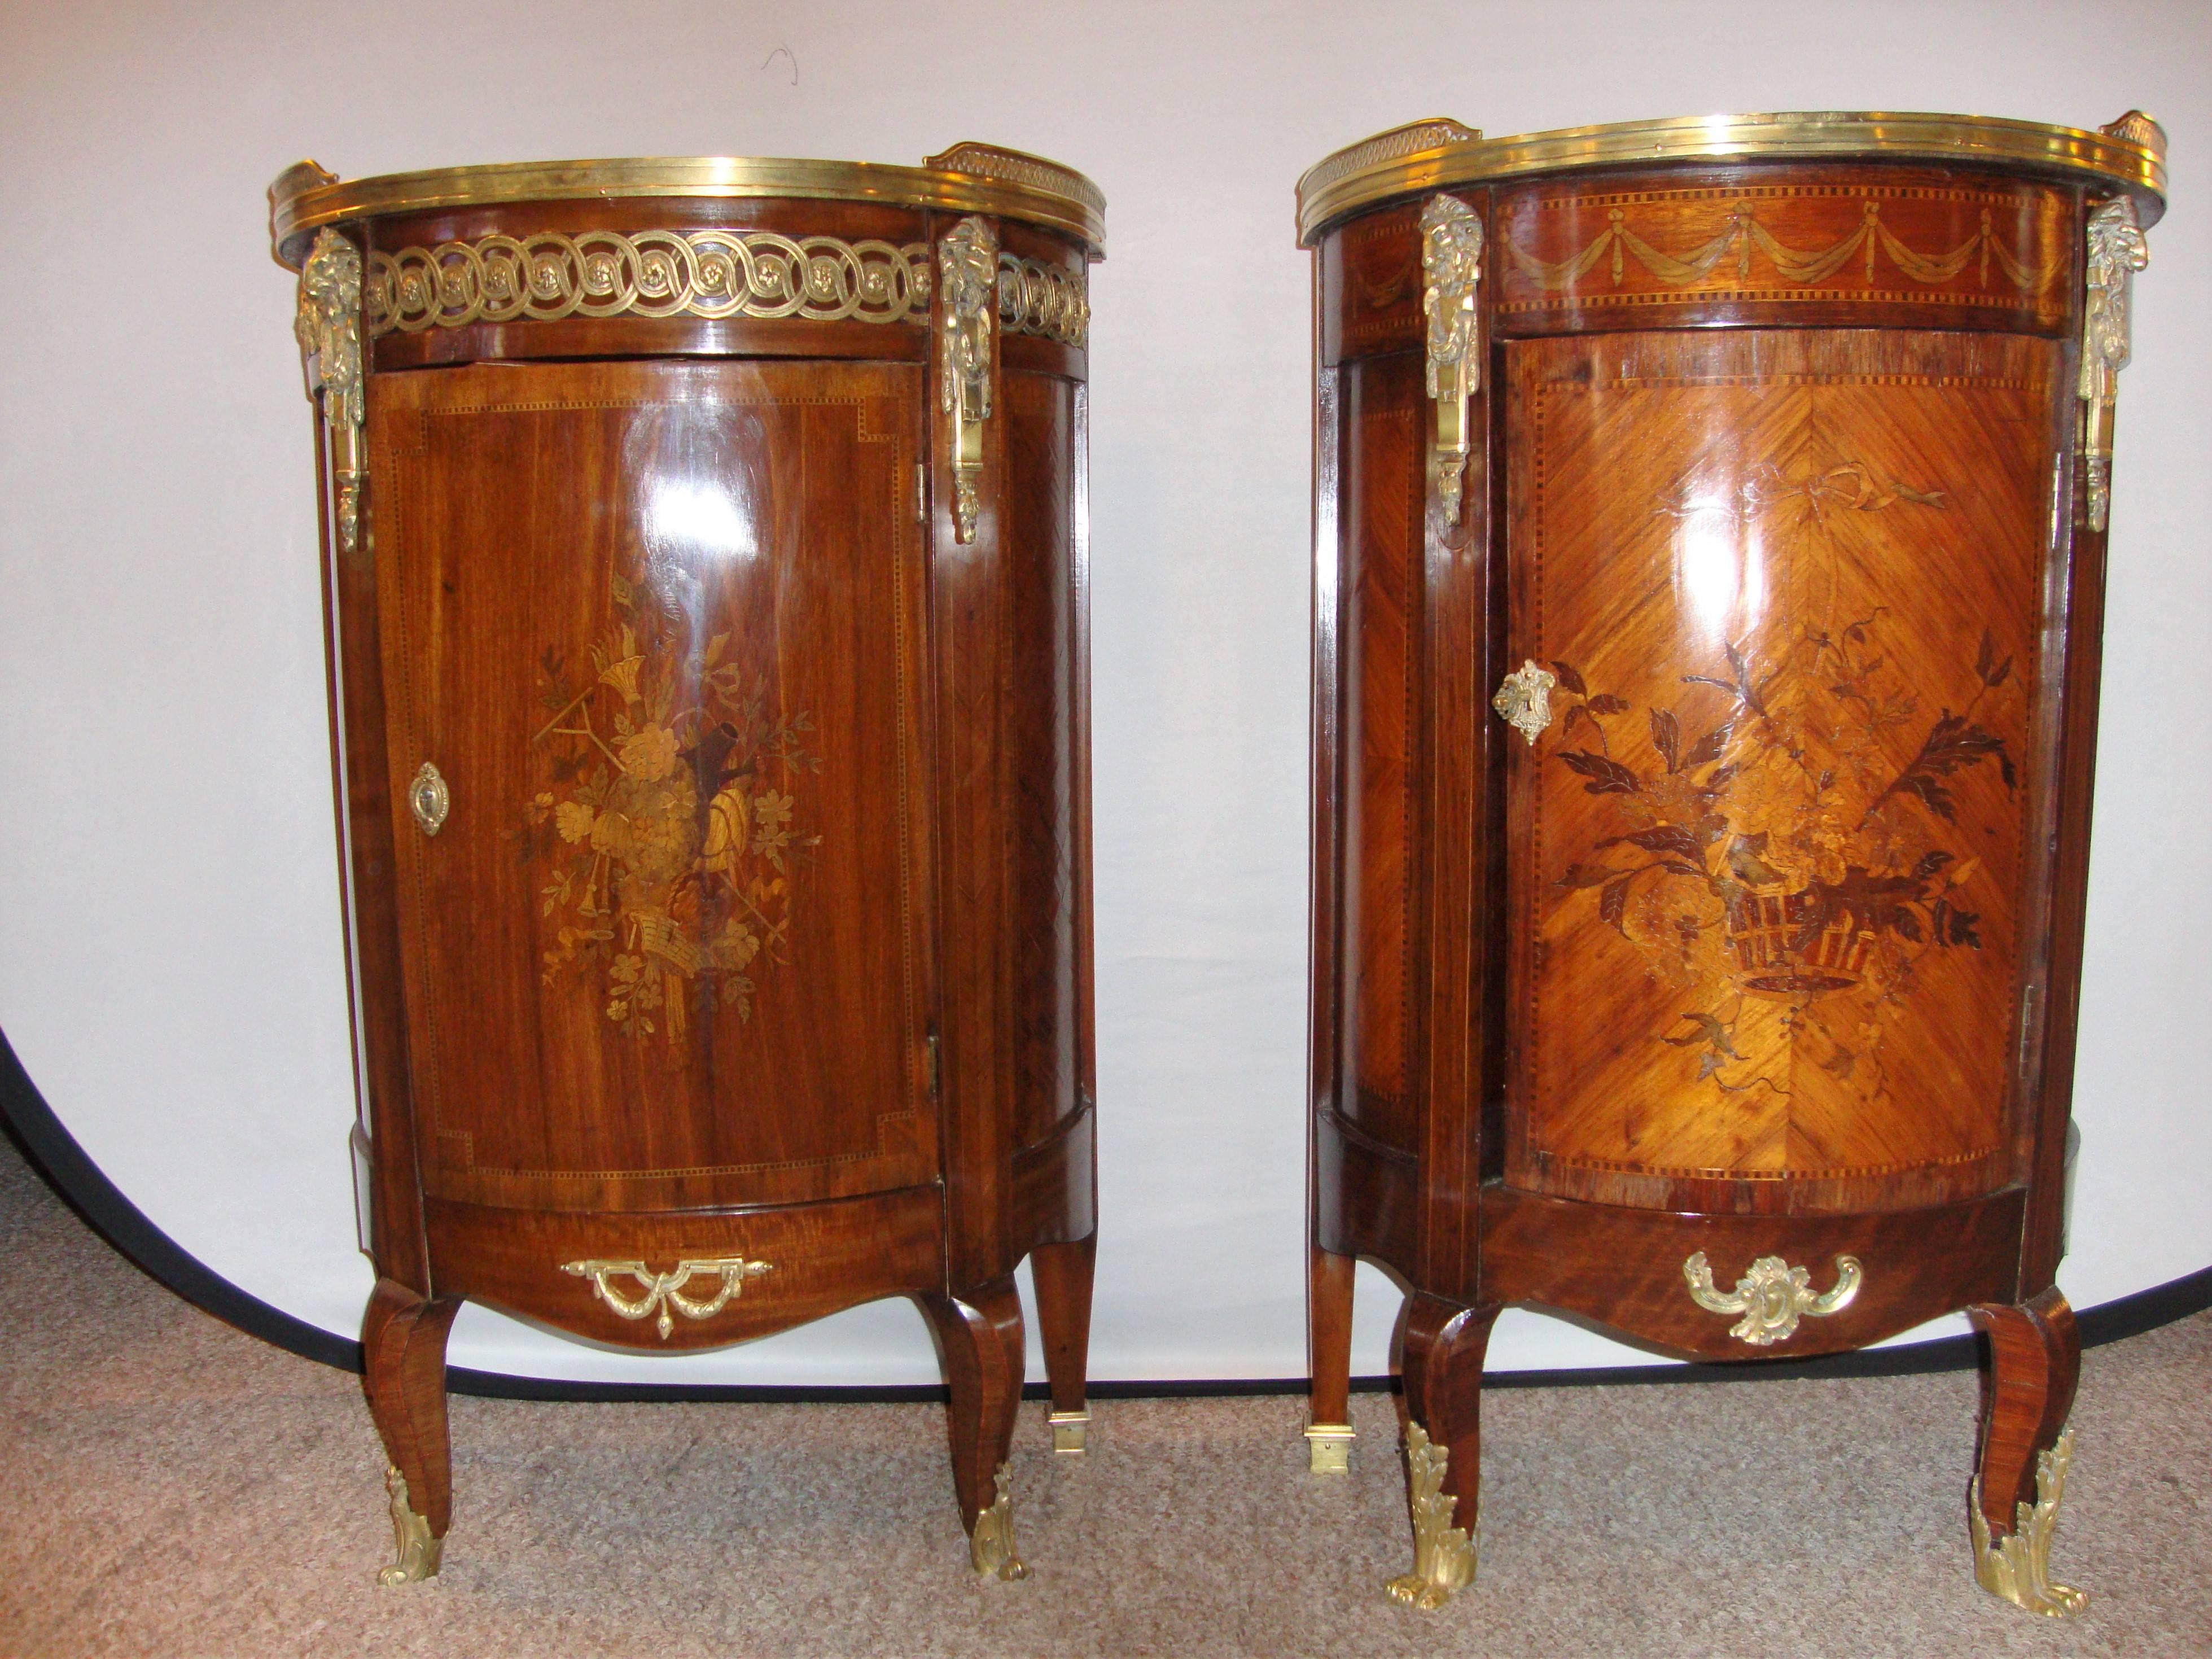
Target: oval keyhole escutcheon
429,799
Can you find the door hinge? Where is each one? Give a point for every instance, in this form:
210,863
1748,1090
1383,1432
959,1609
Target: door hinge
929,1063
921,492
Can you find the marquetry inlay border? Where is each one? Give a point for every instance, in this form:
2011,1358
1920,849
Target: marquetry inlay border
2006,258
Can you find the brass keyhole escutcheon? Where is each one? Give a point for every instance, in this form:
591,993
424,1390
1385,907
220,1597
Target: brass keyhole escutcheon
429,799
1524,700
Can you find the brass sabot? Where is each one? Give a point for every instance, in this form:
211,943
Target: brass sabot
968,178
1439,154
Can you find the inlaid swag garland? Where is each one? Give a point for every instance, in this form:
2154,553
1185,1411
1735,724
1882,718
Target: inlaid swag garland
709,274
1745,233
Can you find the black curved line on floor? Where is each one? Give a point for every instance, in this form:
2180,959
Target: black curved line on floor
51,1150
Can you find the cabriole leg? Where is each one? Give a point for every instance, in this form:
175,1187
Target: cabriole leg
404,1349
1062,1273
1328,1360
979,1340
1442,1347
2028,1390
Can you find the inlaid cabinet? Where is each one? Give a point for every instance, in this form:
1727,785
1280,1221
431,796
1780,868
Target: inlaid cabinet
705,549
1709,535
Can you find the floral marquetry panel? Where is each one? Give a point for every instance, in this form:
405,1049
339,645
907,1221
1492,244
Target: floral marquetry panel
1768,868
658,625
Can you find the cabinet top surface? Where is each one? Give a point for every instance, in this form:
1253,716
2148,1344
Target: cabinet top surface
1439,154
969,177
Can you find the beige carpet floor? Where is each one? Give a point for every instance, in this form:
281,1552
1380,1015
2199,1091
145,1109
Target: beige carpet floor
173,1487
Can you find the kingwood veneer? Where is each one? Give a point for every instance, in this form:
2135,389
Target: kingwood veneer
1709,569
706,577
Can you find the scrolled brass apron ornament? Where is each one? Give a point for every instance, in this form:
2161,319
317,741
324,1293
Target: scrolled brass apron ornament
663,1291
1772,1296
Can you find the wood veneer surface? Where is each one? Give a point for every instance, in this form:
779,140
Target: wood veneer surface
1768,872
658,624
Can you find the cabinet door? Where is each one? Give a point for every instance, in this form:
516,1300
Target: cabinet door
1771,878
656,626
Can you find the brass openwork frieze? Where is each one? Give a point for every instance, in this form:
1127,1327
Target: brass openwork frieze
1035,298
710,274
